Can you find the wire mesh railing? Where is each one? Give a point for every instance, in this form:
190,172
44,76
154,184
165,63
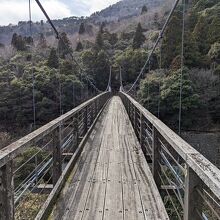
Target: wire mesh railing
188,183
31,167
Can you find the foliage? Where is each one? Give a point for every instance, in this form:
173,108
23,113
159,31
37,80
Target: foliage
139,38
64,45
144,10
18,42
42,42
53,61
165,89
23,172
97,66
131,62
79,46
99,41
82,29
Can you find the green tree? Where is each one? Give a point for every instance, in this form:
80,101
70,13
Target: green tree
42,43
64,45
139,38
82,29
99,44
18,42
171,45
53,61
144,10
79,46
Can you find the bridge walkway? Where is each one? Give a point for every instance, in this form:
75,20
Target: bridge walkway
112,179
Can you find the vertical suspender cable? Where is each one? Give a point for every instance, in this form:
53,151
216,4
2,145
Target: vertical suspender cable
109,80
32,70
159,89
148,89
60,86
121,83
182,66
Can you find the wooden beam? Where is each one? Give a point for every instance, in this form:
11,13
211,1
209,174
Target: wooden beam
192,201
13,150
6,192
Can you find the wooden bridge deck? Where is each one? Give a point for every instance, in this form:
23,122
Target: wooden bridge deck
111,180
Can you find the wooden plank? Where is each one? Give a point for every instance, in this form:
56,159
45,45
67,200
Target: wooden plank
131,197
77,202
109,185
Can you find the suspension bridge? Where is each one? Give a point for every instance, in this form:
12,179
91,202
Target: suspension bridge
108,158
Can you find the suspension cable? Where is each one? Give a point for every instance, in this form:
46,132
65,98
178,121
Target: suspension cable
155,45
59,81
182,66
32,68
159,86
109,80
121,81
70,52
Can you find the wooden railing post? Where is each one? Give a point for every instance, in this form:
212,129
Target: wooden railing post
156,157
77,128
7,192
135,120
57,157
86,120
192,201
92,112
141,136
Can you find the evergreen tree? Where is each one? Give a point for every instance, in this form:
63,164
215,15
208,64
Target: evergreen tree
99,41
82,29
64,45
42,41
29,40
18,42
53,61
79,46
139,38
171,45
144,10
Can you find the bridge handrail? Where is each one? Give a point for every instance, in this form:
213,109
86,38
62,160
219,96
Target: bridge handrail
13,150
198,170
37,160
207,171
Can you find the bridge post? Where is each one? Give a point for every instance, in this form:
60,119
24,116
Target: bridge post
92,112
156,157
7,192
86,119
57,155
192,201
141,136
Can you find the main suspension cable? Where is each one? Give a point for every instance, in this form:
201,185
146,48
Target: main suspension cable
155,45
69,52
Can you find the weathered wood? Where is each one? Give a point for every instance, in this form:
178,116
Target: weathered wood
206,171
156,158
85,119
6,192
10,152
80,157
57,155
192,201
106,186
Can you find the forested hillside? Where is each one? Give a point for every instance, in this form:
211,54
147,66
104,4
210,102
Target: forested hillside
106,39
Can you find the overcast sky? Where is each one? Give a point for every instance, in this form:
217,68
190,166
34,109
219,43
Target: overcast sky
12,11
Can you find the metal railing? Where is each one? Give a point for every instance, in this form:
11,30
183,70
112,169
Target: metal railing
189,184
31,166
